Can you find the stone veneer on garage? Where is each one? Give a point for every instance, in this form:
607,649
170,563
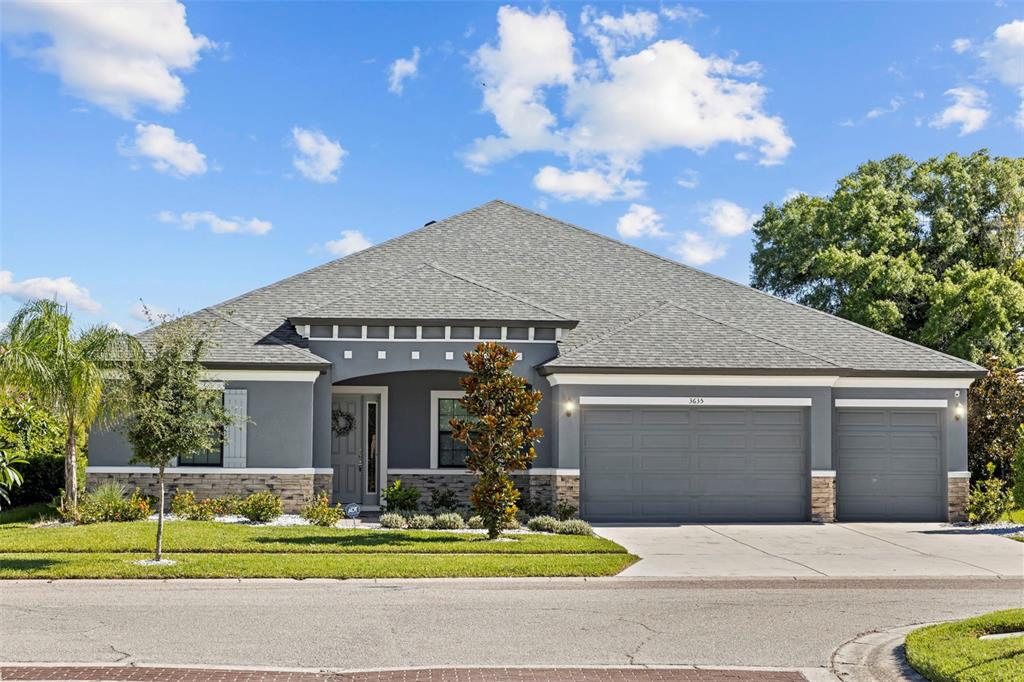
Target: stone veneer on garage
295,489
823,498
550,488
957,488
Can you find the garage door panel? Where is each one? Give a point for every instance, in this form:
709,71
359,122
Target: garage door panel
778,417
610,486
606,464
914,418
664,417
721,463
862,440
671,486
775,463
916,441
776,485
710,416
667,463
663,441
721,441
608,441
602,415
862,418
778,441
917,465
917,485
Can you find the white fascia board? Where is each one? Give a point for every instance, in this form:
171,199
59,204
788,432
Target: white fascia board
206,470
823,473
463,472
574,379
903,382
261,375
958,474
885,402
693,401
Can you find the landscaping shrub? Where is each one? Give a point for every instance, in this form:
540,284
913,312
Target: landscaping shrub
1018,471
225,506
30,431
565,511
393,520
403,499
320,512
544,524
988,500
448,521
476,522
421,521
261,507
443,500
107,502
511,524
533,505
574,527
184,505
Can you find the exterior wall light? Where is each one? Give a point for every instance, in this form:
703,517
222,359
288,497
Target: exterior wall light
569,406
958,412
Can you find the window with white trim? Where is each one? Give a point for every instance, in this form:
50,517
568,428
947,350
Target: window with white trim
451,454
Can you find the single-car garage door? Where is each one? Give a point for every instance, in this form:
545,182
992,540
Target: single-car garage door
698,464
889,465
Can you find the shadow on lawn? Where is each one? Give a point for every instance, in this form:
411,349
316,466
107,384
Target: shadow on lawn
19,564
382,538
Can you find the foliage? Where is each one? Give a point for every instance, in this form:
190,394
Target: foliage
989,499
1018,470
476,522
261,507
565,511
393,520
574,527
403,499
170,411
108,502
534,505
29,430
499,433
10,477
932,252
448,521
544,524
44,358
421,521
995,414
225,506
321,512
953,652
184,505
443,499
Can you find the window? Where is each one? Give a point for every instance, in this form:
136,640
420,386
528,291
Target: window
405,332
490,333
377,332
450,452
432,332
350,331
212,458
518,333
321,331
463,332
544,334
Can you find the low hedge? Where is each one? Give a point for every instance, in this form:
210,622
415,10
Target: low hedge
953,652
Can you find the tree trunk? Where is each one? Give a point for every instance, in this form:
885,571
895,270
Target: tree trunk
160,517
71,469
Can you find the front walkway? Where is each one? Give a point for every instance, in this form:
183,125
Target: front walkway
850,550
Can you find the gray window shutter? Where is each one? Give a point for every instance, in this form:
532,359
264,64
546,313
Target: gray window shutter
234,434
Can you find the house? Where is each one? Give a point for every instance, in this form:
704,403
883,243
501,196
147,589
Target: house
669,394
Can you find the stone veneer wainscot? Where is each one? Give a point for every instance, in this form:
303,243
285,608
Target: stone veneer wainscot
550,488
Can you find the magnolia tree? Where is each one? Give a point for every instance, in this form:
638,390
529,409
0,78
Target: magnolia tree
498,433
171,410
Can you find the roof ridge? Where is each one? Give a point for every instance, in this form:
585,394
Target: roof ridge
303,352
735,284
498,291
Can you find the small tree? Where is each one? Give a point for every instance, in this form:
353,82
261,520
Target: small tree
499,434
995,414
170,411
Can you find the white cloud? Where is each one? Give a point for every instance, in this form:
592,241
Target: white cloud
696,250
680,13
610,34
961,45
167,153
969,110
588,185
688,179
190,220
319,157
118,55
726,218
667,95
640,221
402,69
144,312
895,104
1004,54
62,289
351,241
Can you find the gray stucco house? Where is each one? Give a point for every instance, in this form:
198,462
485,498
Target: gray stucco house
669,394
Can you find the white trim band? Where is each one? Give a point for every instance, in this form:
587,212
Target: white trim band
885,402
823,473
958,474
591,379
249,471
260,375
694,401
463,472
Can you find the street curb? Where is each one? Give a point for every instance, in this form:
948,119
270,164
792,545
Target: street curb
876,656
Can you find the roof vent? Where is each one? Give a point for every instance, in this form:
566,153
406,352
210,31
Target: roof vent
429,222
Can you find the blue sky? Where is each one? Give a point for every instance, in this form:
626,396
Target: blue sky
185,154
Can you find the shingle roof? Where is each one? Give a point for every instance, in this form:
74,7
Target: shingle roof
583,276
428,292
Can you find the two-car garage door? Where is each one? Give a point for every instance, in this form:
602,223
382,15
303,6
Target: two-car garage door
700,464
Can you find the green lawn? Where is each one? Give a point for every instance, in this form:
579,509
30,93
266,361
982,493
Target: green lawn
212,549
952,652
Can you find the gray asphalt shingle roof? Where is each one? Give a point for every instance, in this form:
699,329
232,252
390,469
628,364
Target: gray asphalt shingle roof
536,261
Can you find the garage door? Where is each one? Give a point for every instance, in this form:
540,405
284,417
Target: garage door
699,464
889,465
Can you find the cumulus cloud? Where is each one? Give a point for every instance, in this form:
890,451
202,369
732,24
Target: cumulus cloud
167,153
402,69
319,157
726,218
895,104
116,55
681,13
190,220
697,250
961,45
61,289
969,110
640,221
587,185
1004,54
688,179
351,241
617,110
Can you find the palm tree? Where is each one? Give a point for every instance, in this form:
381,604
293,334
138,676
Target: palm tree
41,355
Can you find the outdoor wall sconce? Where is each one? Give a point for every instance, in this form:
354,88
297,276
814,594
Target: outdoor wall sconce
959,411
568,408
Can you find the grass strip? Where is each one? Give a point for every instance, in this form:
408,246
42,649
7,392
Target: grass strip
953,652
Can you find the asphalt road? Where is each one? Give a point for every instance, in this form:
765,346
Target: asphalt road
367,624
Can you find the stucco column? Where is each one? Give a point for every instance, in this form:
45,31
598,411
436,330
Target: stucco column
823,468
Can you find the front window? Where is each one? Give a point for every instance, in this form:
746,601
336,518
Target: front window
212,458
450,452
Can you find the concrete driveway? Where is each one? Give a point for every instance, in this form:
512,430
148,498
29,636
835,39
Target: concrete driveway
850,550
